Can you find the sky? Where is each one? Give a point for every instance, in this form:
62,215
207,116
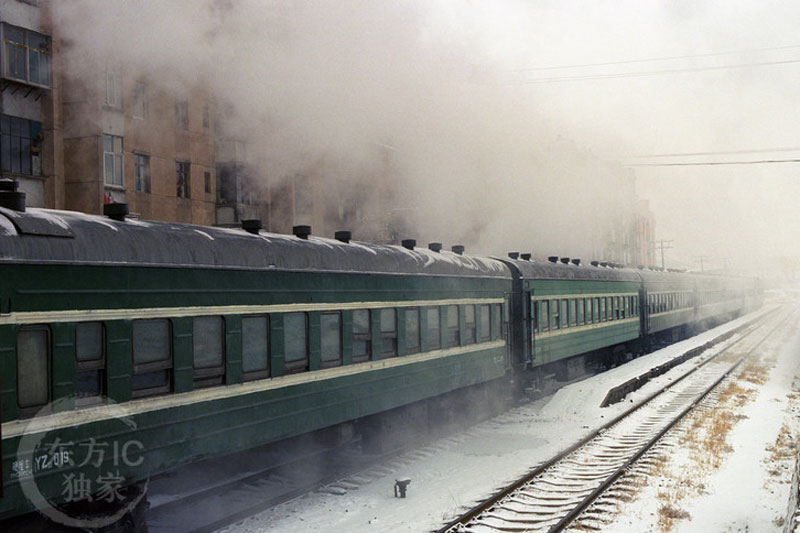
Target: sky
512,124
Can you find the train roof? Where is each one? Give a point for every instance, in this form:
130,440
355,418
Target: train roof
47,236
560,271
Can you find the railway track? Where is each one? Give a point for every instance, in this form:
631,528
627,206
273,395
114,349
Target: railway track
554,494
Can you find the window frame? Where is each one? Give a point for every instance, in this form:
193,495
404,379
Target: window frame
299,365
141,183
330,363
453,332
388,335
253,375
437,312
118,161
470,333
92,366
409,311
209,376
28,52
183,180
165,365
30,410
362,337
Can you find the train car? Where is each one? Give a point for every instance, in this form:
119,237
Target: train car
566,309
669,301
128,348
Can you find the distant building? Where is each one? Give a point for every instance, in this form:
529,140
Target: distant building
30,149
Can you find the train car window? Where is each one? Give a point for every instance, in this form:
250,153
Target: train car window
581,311
623,301
331,339
596,310
208,349
603,316
434,328
545,315
255,347
90,363
295,342
469,325
484,321
388,332
412,330
33,369
589,315
564,316
555,319
152,357
362,336
453,330
573,313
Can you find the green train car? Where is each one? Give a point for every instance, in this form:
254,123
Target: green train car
129,348
173,343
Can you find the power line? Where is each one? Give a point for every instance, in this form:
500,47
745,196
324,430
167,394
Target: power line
557,79
726,152
652,59
713,163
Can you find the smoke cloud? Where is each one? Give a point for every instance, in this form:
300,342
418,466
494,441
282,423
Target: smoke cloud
445,102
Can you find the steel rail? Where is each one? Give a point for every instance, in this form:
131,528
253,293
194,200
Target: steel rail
453,525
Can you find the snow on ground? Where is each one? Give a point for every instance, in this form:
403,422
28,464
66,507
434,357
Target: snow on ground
731,468
451,474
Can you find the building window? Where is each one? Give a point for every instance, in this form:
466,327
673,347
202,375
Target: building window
412,330
90,363
206,116
152,357
182,115
141,172
20,141
331,339
182,178
362,338
255,347
27,55
388,332
208,348
113,87
295,332
33,369
112,160
207,181
140,100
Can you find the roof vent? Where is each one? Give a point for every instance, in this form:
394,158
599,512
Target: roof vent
553,259
603,263
525,257
513,255
576,262
251,225
640,267
409,244
10,198
565,260
343,236
301,232
595,263
435,246
458,249
115,211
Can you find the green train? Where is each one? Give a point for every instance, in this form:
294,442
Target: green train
128,348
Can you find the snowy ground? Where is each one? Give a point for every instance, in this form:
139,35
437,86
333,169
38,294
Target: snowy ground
748,487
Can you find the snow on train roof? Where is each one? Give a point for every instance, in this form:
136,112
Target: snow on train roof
548,270
41,235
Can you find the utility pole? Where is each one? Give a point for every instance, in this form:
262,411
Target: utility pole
661,245
700,258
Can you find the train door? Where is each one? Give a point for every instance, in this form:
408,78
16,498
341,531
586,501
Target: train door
510,343
644,313
531,320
